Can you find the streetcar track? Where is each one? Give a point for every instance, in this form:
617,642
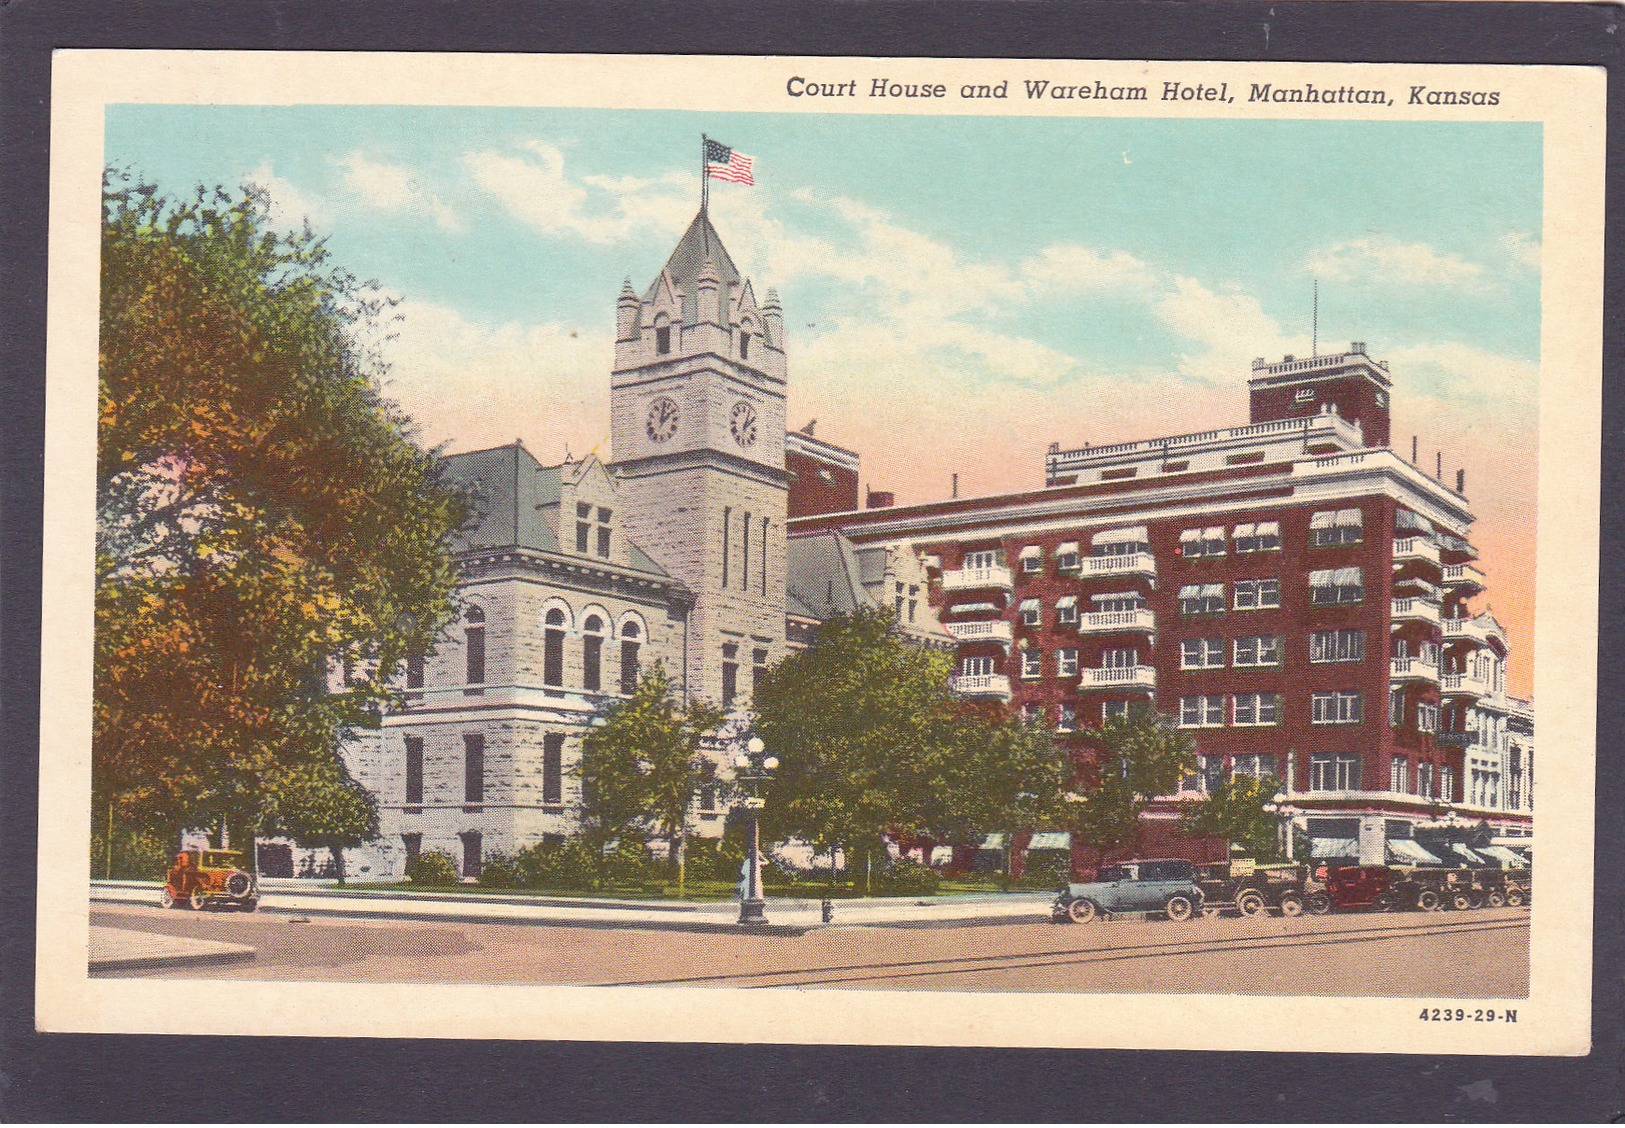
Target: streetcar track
906,969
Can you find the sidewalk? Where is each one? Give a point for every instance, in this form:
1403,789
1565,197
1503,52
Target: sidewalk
123,949
784,916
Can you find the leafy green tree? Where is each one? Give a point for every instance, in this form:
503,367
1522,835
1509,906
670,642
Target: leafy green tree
872,742
1136,758
318,804
1234,811
641,768
264,514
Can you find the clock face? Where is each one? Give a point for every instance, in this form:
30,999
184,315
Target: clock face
662,421
742,422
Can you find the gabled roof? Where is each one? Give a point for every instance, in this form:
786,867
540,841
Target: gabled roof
699,244
822,575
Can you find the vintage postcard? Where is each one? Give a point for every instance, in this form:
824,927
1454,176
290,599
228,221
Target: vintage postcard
837,550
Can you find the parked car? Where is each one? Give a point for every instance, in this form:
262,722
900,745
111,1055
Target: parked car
1361,887
1253,890
203,878
1165,885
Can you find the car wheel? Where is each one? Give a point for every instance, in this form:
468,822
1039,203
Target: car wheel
167,898
1514,897
1319,904
197,899
1082,911
1461,902
1250,903
1428,900
1291,905
1494,899
1179,907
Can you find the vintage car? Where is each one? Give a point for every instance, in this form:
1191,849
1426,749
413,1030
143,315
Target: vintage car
1361,887
200,879
1253,890
1152,885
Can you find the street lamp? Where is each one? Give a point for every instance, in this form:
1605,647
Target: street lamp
753,769
1287,813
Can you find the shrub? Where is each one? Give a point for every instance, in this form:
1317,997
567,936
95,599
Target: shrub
720,862
137,855
630,863
1046,870
433,867
907,877
498,871
570,864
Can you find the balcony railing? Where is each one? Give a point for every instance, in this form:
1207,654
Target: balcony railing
996,686
1127,564
1470,630
1126,677
1103,622
1414,669
996,630
1420,609
970,579
1415,548
1455,739
1465,685
1464,575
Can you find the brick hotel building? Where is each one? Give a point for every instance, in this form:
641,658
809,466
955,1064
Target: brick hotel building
1293,590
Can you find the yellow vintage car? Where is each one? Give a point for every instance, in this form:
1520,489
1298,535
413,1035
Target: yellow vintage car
200,879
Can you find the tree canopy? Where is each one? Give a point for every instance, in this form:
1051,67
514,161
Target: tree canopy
871,741
264,513
1234,810
1138,757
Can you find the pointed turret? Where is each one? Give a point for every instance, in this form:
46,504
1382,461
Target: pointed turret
626,313
773,320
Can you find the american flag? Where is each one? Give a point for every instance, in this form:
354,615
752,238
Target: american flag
724,163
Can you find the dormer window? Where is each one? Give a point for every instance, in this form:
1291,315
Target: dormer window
662,335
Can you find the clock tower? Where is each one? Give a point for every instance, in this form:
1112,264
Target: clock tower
697,422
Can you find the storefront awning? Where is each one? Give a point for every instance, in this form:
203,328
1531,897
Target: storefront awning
1406,852
1465,854
1504,856
1334,847
1051,840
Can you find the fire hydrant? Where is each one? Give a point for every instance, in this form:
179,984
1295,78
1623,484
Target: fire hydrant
828,909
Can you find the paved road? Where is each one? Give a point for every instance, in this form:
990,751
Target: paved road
1482,954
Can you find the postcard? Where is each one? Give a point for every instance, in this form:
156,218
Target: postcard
971,552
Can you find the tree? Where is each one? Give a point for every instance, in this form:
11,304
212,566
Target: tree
1234,811
1137,757
264,514
641,768
319,804
872,742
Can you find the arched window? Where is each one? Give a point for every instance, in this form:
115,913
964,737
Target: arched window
553,648
592,653
474,648
631,639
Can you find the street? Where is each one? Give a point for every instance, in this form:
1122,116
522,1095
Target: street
1477,954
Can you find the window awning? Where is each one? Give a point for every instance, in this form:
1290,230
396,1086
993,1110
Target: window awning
1347,577
1066,601
1104,596
1030,605
1321,577
941,855
993,842
1134,534
1334,847
1051,840
1325,519
1211,590
967,608
1411,522
1190,536
1031,551
1269,528
1190,591
1245,531
1456,544
1068,548
1403,850
1213,532
1350,518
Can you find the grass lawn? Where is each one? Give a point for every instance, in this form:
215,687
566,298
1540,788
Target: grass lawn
697,890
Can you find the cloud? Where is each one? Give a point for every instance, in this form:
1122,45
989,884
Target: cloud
1394,263
1072,267
535,188
1465,375
392,187
291,209
1228,326
1522,249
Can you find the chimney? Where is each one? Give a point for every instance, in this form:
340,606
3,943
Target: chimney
1413,450
879,499
1461,482
955,486
1438,466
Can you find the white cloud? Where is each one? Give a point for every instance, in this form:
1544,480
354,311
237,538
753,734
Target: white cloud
1464,374
1394,263
536,189
1229,327
392,187
291,209
1522,249
1073,267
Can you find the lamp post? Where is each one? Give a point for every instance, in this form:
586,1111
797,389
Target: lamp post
1287,813
752,768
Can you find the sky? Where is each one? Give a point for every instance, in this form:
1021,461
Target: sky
958,292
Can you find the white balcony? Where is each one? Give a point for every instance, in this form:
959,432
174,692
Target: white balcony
1407,549
1118,677
1464,576
994,686
1472,631
1109,622
1413,669
1416,610
977,579
996,631
1465,685
1128,564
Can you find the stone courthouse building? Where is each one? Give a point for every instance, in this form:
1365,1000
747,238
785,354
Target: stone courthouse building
1295,592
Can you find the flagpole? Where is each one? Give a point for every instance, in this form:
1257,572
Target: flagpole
705,177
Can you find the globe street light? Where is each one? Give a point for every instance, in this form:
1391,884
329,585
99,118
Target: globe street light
753,769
